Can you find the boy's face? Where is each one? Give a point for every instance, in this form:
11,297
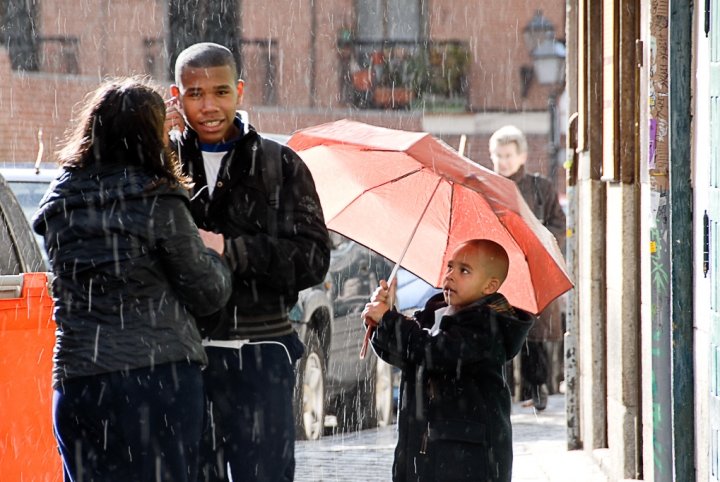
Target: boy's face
507,160
210,97
466,280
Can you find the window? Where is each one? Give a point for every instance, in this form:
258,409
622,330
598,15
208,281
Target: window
389,19
193,21
153,57
19,33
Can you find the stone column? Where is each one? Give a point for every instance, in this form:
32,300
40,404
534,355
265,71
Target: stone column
591,307
623,385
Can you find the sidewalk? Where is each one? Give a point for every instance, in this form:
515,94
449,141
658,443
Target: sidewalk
539,447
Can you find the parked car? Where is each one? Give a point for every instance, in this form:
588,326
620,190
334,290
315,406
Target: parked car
27,334
335,388
29,186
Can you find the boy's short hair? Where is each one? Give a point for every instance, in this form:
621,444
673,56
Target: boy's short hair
500,264
507,135
205,55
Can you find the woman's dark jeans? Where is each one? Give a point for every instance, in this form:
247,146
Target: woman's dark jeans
136,425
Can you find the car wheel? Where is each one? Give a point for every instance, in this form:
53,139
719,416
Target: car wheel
383,394
310,391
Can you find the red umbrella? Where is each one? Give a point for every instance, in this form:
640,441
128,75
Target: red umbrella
414,199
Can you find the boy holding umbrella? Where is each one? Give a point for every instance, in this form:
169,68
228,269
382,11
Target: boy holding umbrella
454,420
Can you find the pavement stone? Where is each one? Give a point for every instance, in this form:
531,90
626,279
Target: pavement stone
539,447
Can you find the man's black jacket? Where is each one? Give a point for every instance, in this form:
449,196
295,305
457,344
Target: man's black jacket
274,252
454,407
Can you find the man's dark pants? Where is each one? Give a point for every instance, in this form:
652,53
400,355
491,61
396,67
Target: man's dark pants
252,426
136,425
534,365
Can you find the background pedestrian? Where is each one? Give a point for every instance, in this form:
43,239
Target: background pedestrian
508,150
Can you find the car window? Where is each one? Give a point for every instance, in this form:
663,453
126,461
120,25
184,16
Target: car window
28,195
339,242
9,261
18,250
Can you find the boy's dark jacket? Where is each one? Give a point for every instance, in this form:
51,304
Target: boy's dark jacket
268,270
454,421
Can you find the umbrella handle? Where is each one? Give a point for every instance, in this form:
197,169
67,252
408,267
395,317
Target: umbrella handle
366,342
371,327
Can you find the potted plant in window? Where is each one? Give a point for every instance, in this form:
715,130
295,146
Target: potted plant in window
396,87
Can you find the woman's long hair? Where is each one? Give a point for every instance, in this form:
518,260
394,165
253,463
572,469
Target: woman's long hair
122,122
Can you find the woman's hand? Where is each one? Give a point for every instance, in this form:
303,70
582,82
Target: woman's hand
213,241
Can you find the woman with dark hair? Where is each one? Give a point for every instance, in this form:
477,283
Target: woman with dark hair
131,272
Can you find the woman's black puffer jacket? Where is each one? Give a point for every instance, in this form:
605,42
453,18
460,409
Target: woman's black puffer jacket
131,271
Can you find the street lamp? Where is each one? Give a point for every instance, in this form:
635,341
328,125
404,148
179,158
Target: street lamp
549,63
537,31
548,58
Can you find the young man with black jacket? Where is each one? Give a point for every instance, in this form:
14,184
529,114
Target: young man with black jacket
261,197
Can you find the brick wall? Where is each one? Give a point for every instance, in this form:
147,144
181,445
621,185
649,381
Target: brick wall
32,101
111,33
494,29
287,121
112,41
476,148
110,37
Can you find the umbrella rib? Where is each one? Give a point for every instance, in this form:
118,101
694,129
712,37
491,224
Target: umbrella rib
396,179
450,221
412,235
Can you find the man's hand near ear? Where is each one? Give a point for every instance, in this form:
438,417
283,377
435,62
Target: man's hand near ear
173,117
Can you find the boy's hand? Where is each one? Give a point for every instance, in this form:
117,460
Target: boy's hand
173,117
380,302
213,241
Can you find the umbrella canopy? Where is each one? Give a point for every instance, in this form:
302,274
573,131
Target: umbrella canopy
375,185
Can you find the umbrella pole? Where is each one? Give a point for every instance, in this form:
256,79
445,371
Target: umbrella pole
396,268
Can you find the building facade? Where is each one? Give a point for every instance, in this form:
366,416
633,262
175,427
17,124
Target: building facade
643,328
452,68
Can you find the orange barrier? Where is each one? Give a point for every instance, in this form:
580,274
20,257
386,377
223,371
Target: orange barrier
28,451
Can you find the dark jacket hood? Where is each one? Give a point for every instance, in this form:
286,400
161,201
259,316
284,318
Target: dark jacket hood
514,323
99,186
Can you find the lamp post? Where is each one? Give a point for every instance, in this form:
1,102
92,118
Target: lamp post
548,58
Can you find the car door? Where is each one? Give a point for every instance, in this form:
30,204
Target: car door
19,252
352,284
26,348
355,272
